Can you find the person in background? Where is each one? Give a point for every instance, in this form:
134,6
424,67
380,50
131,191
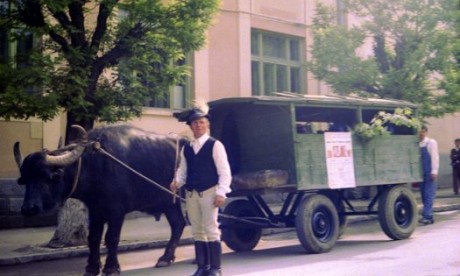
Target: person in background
455,162
205,172
430,166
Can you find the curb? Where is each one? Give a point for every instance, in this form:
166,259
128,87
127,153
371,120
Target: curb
446,208
47,254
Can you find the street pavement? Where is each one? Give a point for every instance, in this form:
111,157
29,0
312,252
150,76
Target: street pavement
142,232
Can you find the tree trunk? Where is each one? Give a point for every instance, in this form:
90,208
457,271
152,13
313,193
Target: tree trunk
72,224
72,228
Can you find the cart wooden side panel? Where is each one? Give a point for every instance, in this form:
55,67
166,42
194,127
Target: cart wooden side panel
383,160
387,160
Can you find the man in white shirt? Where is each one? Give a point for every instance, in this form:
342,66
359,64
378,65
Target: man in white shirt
205,172
430,166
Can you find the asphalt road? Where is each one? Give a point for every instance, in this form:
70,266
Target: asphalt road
362,250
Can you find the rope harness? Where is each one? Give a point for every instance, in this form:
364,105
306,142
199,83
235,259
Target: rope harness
97,147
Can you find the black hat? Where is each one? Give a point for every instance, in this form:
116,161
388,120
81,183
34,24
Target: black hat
190,115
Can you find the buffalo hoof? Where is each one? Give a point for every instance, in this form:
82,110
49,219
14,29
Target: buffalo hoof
164,263
111,271
112,274
90,274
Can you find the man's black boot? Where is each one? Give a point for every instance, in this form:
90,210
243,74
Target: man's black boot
215,255
202,258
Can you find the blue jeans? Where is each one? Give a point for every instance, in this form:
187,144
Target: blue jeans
428,191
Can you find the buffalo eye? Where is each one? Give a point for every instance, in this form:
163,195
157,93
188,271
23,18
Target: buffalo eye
56,175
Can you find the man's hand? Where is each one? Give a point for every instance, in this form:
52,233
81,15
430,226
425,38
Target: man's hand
173,186
219,201
434,176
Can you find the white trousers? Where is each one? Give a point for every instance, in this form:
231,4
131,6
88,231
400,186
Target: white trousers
202,214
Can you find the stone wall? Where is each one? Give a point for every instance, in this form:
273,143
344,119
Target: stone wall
11,197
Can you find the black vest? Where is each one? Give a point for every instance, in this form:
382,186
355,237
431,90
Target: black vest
201,169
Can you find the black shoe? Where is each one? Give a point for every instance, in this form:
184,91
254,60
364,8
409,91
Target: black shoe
202,258
215,272
215,254
201,271
426,221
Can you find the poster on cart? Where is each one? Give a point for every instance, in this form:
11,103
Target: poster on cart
339,160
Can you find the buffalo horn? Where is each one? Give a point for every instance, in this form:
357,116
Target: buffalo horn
71,156
17,154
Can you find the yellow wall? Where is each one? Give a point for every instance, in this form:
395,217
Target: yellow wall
33,135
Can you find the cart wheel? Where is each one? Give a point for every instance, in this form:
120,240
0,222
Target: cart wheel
398,212
317,224
340,207
240,237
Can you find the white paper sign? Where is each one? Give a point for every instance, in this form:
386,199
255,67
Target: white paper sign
339,160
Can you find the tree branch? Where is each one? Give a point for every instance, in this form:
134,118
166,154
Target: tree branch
380,53
59,40
78,21
62,19
121,47
113,56
101,27
30,13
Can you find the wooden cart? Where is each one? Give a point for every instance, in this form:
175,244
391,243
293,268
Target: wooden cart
308,141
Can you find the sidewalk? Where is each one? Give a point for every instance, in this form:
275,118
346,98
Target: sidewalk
27,244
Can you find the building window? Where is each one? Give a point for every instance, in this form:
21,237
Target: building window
176,97
276,63
18,48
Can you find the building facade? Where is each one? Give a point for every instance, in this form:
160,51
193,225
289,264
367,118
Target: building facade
255,47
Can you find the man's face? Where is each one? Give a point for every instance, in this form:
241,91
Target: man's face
457,144
422,134
199,127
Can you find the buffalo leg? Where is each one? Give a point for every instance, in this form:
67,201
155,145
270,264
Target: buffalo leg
112,239
177,223
96,227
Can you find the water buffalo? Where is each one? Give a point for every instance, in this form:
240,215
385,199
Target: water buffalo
109,190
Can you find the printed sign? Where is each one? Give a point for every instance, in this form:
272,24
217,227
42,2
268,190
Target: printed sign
339,160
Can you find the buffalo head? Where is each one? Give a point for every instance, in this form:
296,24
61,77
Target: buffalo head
42,174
